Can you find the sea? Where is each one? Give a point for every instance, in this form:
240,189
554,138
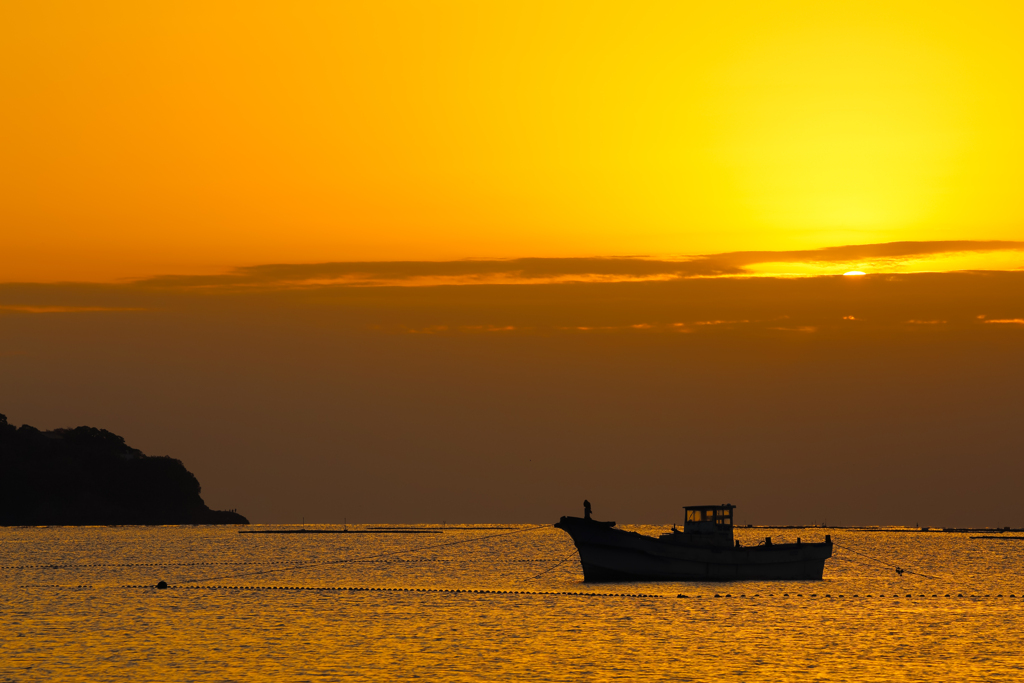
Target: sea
493,603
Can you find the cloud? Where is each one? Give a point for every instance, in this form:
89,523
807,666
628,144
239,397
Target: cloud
469,271
556,270
628,294
863,252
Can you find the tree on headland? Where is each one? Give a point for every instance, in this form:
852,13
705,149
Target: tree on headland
86,476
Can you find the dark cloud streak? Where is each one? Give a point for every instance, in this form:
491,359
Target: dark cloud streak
857,252
733,263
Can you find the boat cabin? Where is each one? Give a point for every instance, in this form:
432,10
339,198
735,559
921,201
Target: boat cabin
709,524
708,519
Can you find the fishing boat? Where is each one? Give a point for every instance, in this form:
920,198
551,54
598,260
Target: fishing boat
703,551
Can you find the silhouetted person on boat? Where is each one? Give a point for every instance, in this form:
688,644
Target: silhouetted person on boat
586,509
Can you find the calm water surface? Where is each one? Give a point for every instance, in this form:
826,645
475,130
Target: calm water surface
248,607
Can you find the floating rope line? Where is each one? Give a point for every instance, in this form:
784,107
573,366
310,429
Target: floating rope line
899,570
361,589
847,559
559,563
366,557
783,596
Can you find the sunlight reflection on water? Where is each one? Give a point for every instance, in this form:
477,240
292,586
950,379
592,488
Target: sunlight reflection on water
531,629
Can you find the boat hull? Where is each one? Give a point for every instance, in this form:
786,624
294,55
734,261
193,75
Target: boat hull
609,554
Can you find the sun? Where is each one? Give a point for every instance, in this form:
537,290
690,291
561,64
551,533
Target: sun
855,272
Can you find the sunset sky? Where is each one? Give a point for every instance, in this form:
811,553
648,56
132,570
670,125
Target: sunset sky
501,248
193,137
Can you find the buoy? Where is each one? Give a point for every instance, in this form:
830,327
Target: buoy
162,585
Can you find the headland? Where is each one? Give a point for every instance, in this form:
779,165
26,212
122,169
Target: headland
88,476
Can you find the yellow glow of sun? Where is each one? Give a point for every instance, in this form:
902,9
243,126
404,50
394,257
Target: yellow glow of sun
855,272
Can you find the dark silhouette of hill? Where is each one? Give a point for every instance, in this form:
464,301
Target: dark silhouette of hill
91,476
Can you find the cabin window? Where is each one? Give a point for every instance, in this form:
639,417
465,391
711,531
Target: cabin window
693,515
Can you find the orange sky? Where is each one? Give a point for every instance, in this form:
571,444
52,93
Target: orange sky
224,227
192,137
